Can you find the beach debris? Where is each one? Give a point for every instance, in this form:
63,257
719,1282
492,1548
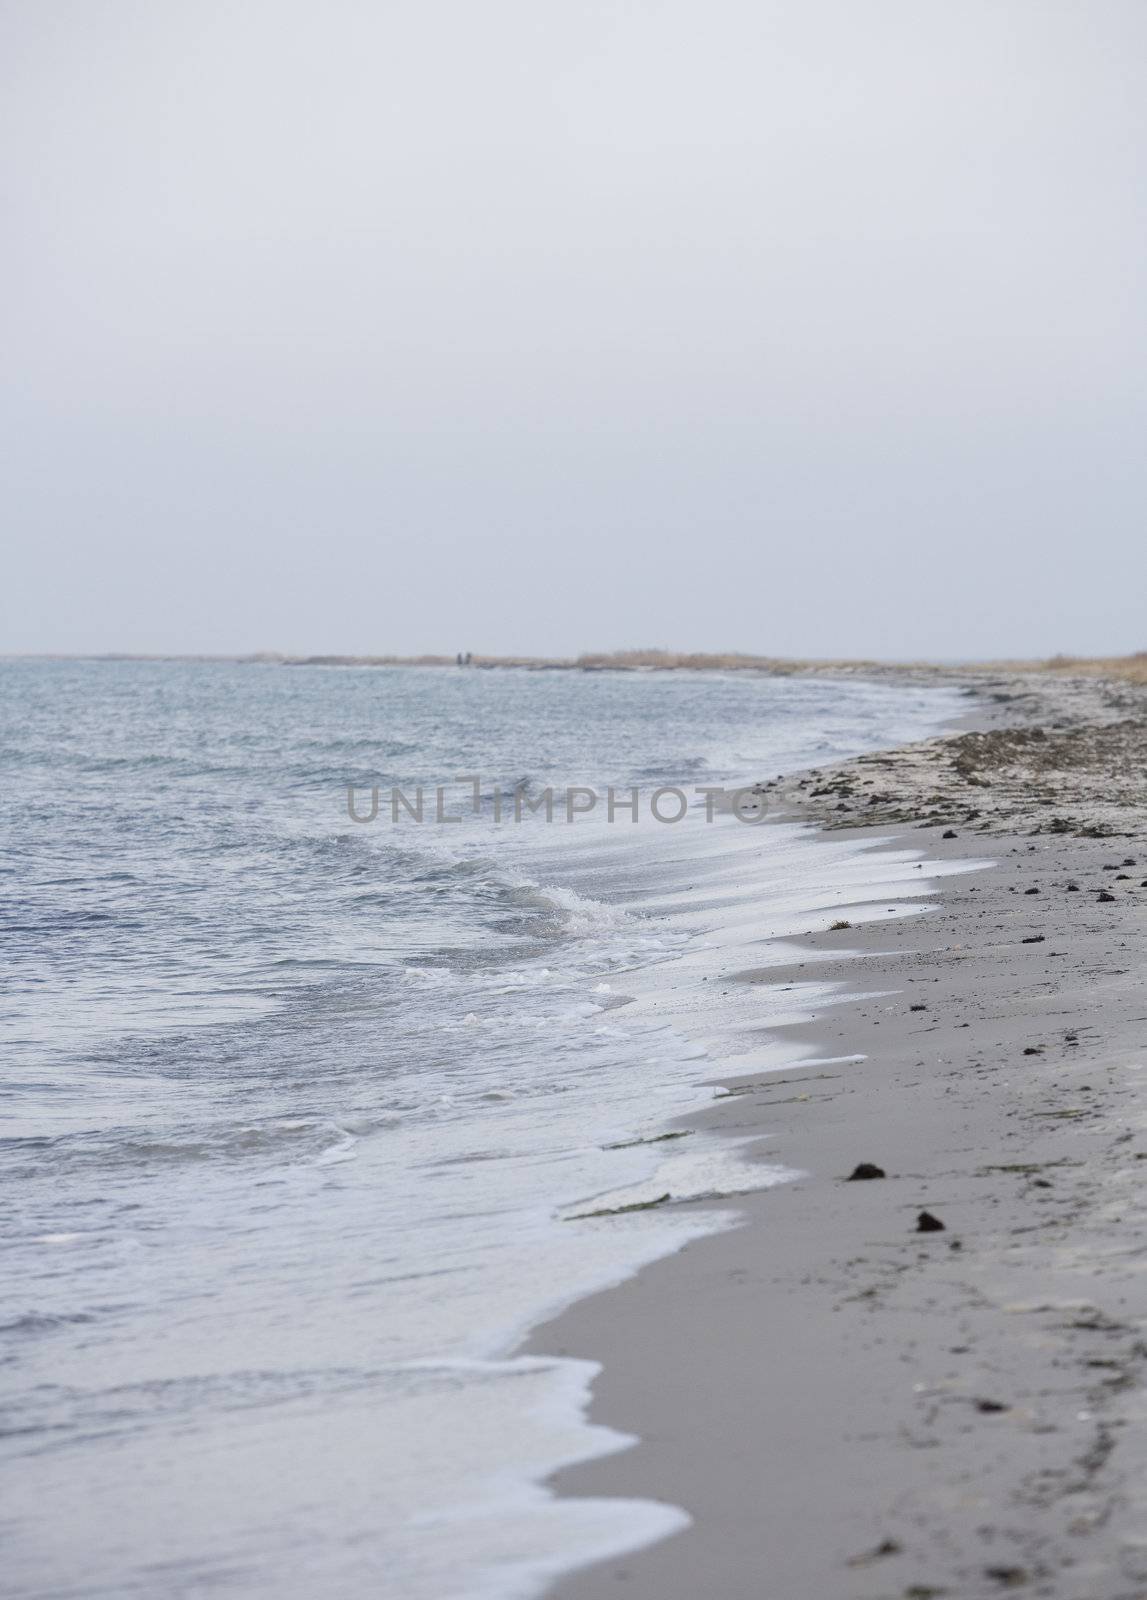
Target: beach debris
949,833
1033,1050
864,1170
619,1211
1103,895
1031,891
839,925
1007,1577
886,1547
990,1407
1027,1166
1035,938
657,1138
927,1223
920,1006
1073,888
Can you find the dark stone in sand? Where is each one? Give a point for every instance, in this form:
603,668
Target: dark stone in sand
1103,895
1031,891
990,1406
1121,877
1073,888
1128,861
1035,938
866,1169
927,1223
1033,1050
918,1008
950,834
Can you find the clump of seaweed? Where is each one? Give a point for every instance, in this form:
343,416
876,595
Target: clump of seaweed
657,1138
619,1211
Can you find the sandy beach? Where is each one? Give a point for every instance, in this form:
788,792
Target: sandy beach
929,1382
451,446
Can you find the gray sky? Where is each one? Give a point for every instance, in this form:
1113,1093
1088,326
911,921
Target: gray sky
813,327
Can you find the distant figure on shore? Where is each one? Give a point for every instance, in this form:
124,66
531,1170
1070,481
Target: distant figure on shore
458,658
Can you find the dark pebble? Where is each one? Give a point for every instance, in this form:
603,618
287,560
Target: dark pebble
927,1223
866,1169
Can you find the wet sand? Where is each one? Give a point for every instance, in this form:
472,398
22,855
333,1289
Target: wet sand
847,1406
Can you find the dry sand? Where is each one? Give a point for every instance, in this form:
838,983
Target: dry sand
846,1406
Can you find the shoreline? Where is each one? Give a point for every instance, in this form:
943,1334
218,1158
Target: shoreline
844,1405
980,677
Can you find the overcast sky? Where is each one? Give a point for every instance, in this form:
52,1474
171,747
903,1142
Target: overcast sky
814,327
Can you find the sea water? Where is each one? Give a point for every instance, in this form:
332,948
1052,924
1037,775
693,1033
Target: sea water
302,1115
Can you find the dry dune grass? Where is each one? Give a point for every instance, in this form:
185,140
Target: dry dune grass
1132,669
670,659
726,661
1129,669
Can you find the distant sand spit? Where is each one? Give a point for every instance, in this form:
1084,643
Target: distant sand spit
1132,668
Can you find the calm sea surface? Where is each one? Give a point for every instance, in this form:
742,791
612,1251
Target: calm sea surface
296,1111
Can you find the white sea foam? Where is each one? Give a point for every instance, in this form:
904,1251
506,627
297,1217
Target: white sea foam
318,1145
